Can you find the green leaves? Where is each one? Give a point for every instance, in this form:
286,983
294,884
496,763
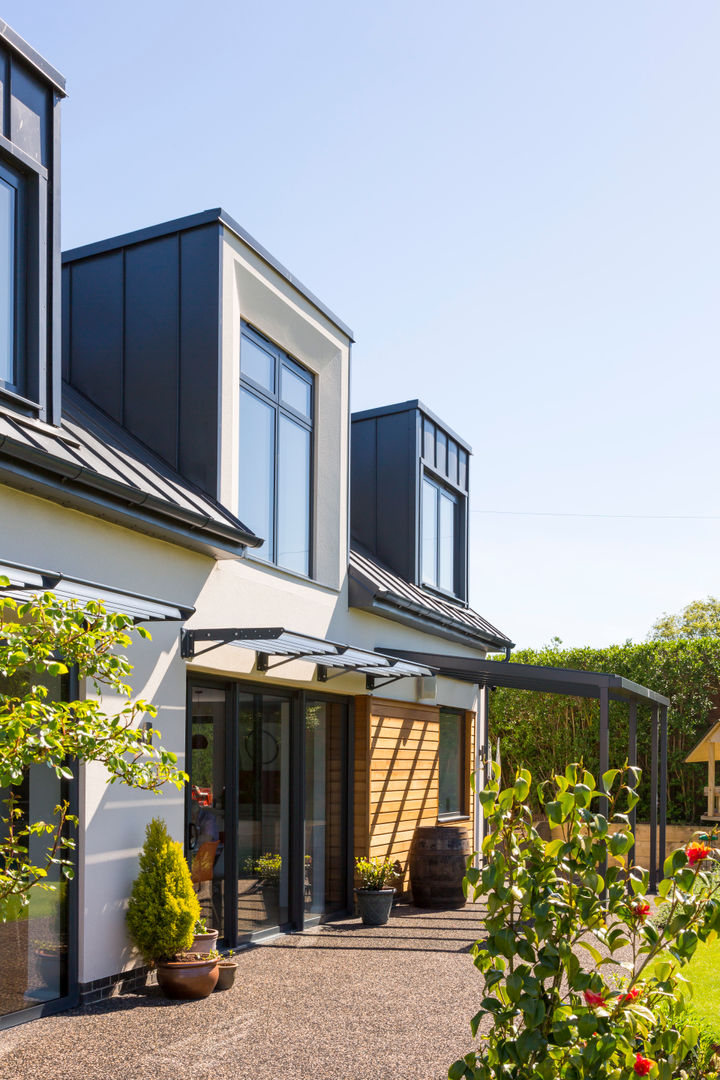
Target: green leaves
557,1003
40,641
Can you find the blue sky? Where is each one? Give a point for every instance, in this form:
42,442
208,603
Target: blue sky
514,205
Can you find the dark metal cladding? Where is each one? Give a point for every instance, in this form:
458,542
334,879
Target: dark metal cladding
143,342
389,462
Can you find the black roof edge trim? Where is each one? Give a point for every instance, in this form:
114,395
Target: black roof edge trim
89,502
194,221
80,474
32,57
411,406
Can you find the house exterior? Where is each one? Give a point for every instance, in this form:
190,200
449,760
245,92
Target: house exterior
176,438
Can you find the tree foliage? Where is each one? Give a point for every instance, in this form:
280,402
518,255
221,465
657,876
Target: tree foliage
578,984
699,619
163,907
40,639
543,731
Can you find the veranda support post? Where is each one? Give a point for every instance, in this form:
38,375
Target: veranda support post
653,797
663,787
632,760
604,752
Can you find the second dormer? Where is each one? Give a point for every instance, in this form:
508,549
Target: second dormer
202,345
410,483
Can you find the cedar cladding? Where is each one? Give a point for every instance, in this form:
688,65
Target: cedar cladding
396,776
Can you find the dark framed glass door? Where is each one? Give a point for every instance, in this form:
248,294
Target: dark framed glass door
267,806
38,949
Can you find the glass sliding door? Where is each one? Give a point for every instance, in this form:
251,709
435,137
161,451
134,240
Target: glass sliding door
325,818
263,811
206,839
35,946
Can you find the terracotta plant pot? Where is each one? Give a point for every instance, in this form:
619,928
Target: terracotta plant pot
204,942
226,974
188,980
374,905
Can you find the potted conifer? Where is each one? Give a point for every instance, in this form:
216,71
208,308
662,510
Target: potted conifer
161,918
375,897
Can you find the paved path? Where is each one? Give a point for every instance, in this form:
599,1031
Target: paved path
342,1002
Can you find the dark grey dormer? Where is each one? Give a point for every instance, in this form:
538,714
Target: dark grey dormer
410,477
30,96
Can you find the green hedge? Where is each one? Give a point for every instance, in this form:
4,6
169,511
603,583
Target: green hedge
543,732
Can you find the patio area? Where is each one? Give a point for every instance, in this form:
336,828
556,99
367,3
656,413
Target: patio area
341,1002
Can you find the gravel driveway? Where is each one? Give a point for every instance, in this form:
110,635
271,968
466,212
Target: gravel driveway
341,1002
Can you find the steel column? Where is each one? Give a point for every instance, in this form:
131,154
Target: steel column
653,797
632,760
663,785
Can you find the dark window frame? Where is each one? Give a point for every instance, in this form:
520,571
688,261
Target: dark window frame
281,408
458,553
462,812
17,180
297,917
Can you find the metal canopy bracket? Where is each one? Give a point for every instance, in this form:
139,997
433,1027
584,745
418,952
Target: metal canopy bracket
276,641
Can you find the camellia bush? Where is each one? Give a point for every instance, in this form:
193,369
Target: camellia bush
41,639
579,984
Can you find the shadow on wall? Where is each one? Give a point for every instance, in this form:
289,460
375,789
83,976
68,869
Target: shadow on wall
403,784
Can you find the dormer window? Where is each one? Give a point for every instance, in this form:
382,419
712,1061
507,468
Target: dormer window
439,514
276,439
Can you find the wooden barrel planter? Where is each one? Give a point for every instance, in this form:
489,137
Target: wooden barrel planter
438,860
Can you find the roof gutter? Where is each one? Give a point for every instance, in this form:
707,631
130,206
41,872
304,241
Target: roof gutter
80,474
417,617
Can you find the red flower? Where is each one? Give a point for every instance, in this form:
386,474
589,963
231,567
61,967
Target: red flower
592,999
696,852
631,995
642,1065
641,911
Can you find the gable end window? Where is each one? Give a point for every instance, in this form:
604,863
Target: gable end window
12,280
276,451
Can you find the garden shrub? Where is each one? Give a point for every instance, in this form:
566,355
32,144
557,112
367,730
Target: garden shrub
558,1002
163,907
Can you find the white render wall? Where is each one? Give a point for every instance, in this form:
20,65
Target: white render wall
254,292
232,592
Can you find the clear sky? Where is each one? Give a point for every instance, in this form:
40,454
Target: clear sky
515,207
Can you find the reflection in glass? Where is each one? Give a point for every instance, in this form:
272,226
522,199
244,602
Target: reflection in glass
462,468
441,452
207,803
324,848
451,762
295,391
34,946
257,469
263,792
7,283
446,546
428,441
452,461
429,533
294,497
257,364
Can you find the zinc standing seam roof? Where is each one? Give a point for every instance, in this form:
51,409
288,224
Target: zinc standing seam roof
90,451
395,591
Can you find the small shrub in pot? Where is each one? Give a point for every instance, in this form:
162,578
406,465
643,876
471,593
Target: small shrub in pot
375,897
162,914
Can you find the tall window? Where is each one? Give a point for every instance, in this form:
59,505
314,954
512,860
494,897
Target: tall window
11,291
439,513
451,762
276,426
